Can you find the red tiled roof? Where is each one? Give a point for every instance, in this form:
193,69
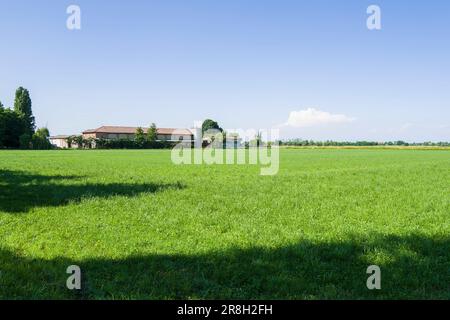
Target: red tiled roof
132,130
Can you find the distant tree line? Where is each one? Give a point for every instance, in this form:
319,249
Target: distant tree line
17,125
300,142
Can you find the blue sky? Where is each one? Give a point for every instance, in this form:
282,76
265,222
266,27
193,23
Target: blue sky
296,65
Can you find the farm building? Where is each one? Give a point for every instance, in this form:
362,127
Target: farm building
117,132
59,141
163,134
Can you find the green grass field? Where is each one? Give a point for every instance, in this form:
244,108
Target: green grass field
142,228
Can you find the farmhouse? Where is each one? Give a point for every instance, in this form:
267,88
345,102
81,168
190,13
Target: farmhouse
188,136
59,141
117,132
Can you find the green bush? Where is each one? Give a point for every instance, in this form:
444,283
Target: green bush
133,144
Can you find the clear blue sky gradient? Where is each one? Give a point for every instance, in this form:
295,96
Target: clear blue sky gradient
244,63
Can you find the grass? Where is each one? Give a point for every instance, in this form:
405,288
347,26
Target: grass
142,228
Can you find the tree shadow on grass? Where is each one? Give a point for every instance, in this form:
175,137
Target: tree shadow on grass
21,191
418,268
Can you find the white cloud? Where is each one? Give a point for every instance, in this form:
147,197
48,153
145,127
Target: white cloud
312,117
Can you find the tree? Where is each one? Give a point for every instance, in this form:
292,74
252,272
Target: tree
2,125
152,134
78,140
89,142
209,124
258,139
43,133
140,137
22,106
11,127
40,139
70,140
25,141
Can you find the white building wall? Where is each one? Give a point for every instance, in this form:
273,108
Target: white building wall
60,143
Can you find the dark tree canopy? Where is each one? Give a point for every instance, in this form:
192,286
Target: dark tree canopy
22,106
11,128
17,126
209,124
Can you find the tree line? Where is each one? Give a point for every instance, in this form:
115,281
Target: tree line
17,125
327,143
